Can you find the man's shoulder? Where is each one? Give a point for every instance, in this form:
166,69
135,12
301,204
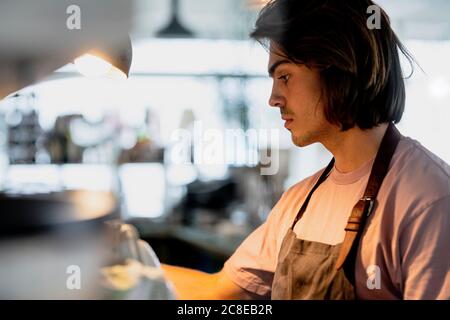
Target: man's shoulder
293,197
414,155
417,166
417,177
304,185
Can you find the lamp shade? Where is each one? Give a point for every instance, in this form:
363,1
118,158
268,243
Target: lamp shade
113,60
174,29
32,47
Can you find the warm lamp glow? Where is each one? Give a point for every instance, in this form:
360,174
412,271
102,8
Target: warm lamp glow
92,66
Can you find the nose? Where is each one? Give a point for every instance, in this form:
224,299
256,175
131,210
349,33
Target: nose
275,99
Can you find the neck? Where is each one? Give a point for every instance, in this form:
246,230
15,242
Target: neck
353,148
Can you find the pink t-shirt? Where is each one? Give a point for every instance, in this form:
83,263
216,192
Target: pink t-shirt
405,248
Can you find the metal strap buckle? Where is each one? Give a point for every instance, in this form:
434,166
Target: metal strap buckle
370,206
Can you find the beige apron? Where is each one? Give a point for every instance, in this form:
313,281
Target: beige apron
314,270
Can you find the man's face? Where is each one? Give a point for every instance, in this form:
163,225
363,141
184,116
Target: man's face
296,91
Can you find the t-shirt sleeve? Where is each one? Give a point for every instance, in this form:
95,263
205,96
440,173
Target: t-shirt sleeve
252,266
426,254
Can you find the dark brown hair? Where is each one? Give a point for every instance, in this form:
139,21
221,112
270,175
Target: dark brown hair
360,69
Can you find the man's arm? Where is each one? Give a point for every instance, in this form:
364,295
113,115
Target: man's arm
196,285
426,255
257,252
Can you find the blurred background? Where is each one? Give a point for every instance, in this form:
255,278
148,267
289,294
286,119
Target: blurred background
180,145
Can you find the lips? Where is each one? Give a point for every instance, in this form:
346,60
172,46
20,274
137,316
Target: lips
287,120
287,123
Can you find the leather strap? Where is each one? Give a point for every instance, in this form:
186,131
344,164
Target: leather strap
365,205
321,179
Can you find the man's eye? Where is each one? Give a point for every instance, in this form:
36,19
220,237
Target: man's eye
285,78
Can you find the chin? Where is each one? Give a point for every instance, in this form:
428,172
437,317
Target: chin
302,140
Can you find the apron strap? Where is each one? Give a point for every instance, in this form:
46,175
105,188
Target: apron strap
322,178
364,206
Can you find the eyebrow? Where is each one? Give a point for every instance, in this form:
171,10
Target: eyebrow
274,66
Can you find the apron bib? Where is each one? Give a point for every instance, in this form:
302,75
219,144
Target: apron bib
315,271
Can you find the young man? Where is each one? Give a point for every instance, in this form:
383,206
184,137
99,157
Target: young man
373,224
